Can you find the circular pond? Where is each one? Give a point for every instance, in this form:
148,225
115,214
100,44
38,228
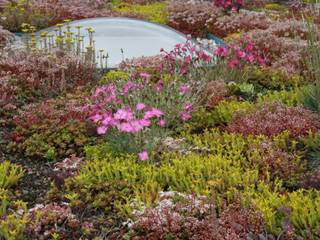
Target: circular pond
124,38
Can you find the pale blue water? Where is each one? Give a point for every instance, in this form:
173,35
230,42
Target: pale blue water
137,38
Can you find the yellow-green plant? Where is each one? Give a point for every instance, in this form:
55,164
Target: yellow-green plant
13,217
301,208
113,182
225,110
13,223
113,76
9,174
154,12
288,97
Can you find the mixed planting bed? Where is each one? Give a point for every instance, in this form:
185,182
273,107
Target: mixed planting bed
182,145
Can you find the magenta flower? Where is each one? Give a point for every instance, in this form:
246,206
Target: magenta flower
249,47
124,114
126,88
96,118
159,86
221,52
154,112
250,58
184,89
145,75
108,120
144,122
205,57
188,108
187,60
143,156
140,106
241,54
102,130
185,116
162,123
127,127
233,63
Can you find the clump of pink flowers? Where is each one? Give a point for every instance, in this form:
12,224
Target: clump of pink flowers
238,56
185,56
137,114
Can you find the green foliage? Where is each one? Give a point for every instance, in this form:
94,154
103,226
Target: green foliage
9,174
112,183
12,223
310,97
312,146
153,12
268,78
252,152
113,76
222,114
287,97
62,141
301,208
313,53
245,90
16,13
225,111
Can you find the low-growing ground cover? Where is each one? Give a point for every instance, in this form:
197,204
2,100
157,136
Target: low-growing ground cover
182,145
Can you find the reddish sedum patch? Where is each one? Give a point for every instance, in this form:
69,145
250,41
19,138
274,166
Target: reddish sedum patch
193,17
273,119
179,216
5,36
216,91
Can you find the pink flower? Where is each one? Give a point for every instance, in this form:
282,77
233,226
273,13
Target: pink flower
162,123
102,130
249,47
221,52
108,120
241,54
187,60
144,122
205,57
188,108
143,156
250,58
261,60
145,75
185,116
124,114
140,106
159,86
184,89
154,112
233,63
96,118
126,88
127,127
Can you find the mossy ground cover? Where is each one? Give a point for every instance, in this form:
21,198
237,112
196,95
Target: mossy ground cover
175,146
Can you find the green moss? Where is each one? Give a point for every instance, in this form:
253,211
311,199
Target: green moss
154,12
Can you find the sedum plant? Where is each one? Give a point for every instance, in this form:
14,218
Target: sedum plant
112,183
153,12
9,174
